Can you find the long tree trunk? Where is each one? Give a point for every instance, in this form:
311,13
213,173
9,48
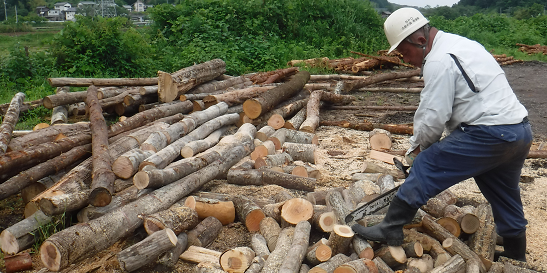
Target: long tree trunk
10,119
71,244
256,107
297,250
218,86
56,82
380,78
102,184
48,134
59,99
171,86
237,96
21,235
268,177
277,257
147,250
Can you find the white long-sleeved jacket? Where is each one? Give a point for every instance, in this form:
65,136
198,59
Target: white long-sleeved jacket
447,100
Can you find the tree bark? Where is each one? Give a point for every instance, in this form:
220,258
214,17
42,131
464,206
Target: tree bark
120,199
236,96
259,245
362,247
57,82
248,212
465,216
270,229
102,184
237,260
147,250
340,238
265,132
42,184
256,107
54,165
336,202
127,164
380,78
171,86
357,266
268,177
324,221
73,243
171,257
224,211
453,265
205,232
60,99
457,246
296,121
273,160
20,236
391,89
48,134
198,255
318,253
178,218
483,241
25,106
151,177
297,250
214,86
331,264
198,146
263,77
392,255
277,257
60,113
382,266
299,151
312,113
19,262
10,120
413,249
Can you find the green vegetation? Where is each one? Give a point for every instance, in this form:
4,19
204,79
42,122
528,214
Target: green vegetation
248,35
44,231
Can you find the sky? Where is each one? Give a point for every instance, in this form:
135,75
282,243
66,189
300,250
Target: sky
423,3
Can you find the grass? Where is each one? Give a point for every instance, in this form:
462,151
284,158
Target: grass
35,41
58,223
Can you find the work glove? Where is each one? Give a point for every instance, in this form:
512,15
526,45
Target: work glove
410,158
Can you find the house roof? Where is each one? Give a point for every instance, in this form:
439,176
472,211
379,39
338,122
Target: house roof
61,3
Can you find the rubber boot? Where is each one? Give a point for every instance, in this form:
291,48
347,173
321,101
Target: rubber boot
390,230
514,248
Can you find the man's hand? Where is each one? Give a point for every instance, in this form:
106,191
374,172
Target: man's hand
411,156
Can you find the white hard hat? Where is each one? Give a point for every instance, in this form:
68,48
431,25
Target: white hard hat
401,23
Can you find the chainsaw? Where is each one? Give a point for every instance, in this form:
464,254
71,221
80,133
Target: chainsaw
379,202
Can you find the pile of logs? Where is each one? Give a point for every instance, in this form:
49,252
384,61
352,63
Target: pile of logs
184,129
533,49
503,59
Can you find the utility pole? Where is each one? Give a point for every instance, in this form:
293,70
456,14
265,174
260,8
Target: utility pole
16,21
5,12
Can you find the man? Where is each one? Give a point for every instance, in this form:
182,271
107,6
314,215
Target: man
467,93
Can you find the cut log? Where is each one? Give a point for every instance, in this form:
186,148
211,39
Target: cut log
325,221
380,78
120,199
273,160
60,113
102,184
385,157
223,211
282,196
19,262
456,246
178,218
273,211
171,257
205,232
312,110
47,135
276,121
35,188
9,120
171,86
299,151
59,250
21,235
265,132
265,148
296,210
198,146
424,264
147,250
362,247
382,266
29,176
483,241
469,222
340,238
357,266
236,96
298,248
296,121
259,245
277,257
256,107
237,260
270,229
392,255
413,249
25,106
451,225
319,252
57,82
248,212
335,200
127,164
330,265
453,265
380,140
319,197
60,99
286,109
269,177
271,76
257,265
196,254
216,85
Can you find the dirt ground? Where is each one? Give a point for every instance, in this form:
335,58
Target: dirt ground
345,151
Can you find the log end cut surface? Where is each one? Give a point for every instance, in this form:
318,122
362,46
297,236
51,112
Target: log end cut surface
8,242
252,222
252,108
100,197
50,255
141,180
